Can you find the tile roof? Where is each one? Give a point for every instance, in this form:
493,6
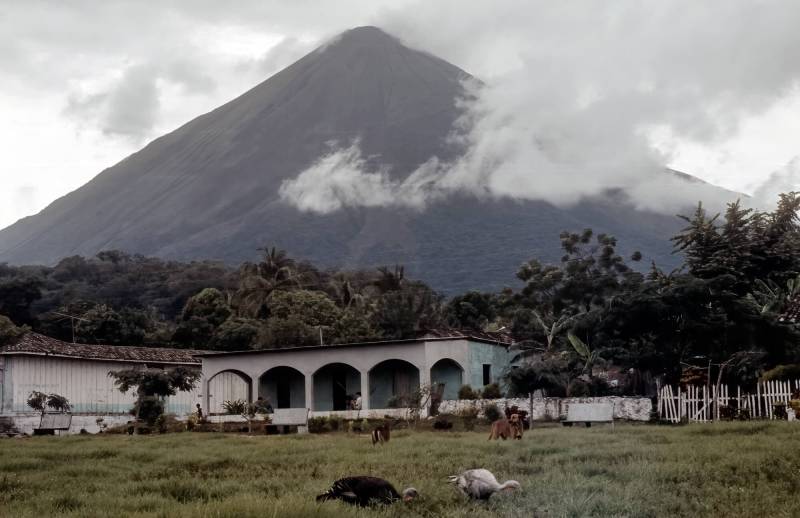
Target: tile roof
40,345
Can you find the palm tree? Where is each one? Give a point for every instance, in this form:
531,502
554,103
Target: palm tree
390,280
259,281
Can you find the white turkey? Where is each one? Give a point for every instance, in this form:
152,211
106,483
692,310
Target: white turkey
482,484
364,490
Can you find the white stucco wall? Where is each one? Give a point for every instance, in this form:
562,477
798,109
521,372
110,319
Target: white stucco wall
26,423
422,355
553,408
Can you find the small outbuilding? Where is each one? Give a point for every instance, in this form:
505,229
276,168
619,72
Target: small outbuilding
79,372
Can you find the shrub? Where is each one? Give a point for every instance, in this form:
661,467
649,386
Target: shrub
149,409
578,388
492,413
442,423
469,415
782,373
236,407
41,401
318,425
466,392
492,391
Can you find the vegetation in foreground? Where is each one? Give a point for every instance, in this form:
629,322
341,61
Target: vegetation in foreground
724,469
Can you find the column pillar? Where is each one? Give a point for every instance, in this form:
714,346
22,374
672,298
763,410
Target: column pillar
365,390
309,379
205,388
255,380
425,382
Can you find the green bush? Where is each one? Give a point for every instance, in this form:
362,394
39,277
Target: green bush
466,392
318,425
149,409
236,407
442,423
782,373
578,388
468,416
492,413
492,391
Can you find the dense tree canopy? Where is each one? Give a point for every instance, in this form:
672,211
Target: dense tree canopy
572,320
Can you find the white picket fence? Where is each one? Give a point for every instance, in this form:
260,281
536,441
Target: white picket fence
702,404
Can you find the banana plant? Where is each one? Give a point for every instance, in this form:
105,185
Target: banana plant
586,354
554,329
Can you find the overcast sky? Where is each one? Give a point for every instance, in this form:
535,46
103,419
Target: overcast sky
712,87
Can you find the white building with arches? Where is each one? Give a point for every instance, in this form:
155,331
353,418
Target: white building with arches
321,378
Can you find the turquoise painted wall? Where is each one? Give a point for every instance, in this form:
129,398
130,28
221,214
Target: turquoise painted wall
481,354
389,379
323,387
449,373
267,388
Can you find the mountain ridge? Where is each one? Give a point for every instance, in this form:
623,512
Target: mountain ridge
209,189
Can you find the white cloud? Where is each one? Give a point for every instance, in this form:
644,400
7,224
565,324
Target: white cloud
573,87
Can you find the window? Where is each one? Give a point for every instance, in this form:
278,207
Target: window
487,373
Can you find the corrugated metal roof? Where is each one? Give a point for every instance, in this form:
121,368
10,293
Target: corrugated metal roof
40,345
481,336
498,339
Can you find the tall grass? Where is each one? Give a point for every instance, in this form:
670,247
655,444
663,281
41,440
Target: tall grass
736,469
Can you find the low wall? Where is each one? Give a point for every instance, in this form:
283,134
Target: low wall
553,408
26,423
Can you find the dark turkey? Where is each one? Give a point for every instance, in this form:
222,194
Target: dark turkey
363,491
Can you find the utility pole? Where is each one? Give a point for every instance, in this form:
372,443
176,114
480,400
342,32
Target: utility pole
72,319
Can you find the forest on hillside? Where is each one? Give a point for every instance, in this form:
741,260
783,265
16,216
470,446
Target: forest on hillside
720,312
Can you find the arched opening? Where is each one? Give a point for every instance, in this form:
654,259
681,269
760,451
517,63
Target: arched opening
392,381
449,373
334,384
283,387
225,386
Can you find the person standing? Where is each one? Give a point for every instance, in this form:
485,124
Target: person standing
357,403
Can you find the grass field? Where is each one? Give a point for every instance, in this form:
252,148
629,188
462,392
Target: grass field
733,469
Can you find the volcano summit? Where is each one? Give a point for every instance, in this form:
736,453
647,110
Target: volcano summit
212,188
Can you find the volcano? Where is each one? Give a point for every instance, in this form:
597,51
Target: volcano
210,189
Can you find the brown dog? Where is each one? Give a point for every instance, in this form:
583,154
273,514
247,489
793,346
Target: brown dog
380,434
505,428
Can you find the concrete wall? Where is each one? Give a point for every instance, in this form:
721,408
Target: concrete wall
26,423
392,378
85,383
268,386
553,409
323,387
449,374
481,354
